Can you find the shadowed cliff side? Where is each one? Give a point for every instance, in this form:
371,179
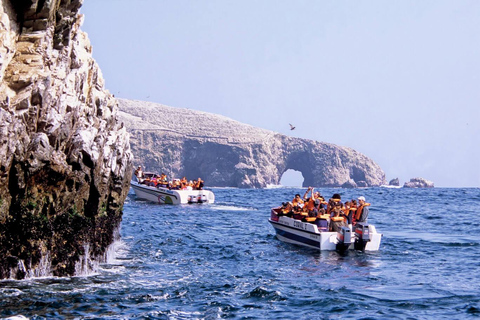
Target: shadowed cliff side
227,153
65,161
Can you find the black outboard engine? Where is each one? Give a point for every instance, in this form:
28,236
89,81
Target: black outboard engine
362,235
192,199
344,237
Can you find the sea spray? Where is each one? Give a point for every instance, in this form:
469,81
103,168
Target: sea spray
85,265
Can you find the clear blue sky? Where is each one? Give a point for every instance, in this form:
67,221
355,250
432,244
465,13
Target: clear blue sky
398,81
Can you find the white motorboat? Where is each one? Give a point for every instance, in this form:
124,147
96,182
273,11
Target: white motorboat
167,196
364,236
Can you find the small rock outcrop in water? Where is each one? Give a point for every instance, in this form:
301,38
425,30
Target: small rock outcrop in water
227,153
394,182
418,183
65,162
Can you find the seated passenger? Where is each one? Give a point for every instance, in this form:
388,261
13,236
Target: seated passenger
297,202
198,184
152,182
183,183
319,200
337,218
334,201
323,220
353,209
162,181
287,209
175,184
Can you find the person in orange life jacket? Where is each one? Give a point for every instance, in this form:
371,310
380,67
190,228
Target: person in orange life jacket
362,211
338,217
297,202
350,208
199,184
320,202
287,209
162,181
346,210
175,184
309,206
334,201
183,183
353,210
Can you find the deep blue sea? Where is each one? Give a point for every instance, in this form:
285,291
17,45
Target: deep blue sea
223,261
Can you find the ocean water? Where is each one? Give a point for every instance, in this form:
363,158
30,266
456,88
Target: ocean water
223,261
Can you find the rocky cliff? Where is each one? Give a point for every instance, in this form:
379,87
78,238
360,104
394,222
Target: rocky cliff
65,162
227,153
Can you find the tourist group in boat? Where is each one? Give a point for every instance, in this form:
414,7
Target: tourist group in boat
328,215
162,181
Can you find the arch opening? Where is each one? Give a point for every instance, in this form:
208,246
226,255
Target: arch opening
292,178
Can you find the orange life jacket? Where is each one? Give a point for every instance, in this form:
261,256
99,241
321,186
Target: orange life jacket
358,214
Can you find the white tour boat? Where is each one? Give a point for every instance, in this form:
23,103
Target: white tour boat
365,237
167,196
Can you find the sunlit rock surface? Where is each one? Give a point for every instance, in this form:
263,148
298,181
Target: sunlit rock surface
227,153
418,183
65,162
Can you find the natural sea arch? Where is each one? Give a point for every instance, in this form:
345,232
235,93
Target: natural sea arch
292,178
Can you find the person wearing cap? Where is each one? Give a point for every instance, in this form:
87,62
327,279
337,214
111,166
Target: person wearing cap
361,215
139,173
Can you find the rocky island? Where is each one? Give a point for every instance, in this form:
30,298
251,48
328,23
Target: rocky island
65,161
227,153
418,183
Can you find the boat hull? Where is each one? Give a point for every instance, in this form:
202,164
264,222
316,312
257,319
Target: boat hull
307,234
167,196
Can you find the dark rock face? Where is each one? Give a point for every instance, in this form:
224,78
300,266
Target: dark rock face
65,161
227,153
418,183
394,182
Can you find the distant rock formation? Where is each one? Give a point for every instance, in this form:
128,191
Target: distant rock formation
394,182
418,183
65,162
227,153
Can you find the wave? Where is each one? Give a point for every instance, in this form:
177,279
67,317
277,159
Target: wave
231,208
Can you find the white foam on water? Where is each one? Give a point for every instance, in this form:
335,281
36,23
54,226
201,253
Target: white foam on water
231,208
86,266
274,186
12,292
17,317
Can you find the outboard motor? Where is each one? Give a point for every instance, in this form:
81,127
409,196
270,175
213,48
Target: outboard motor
192,199
362,236
344,237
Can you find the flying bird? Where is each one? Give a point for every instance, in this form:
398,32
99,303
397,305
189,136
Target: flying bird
291,126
